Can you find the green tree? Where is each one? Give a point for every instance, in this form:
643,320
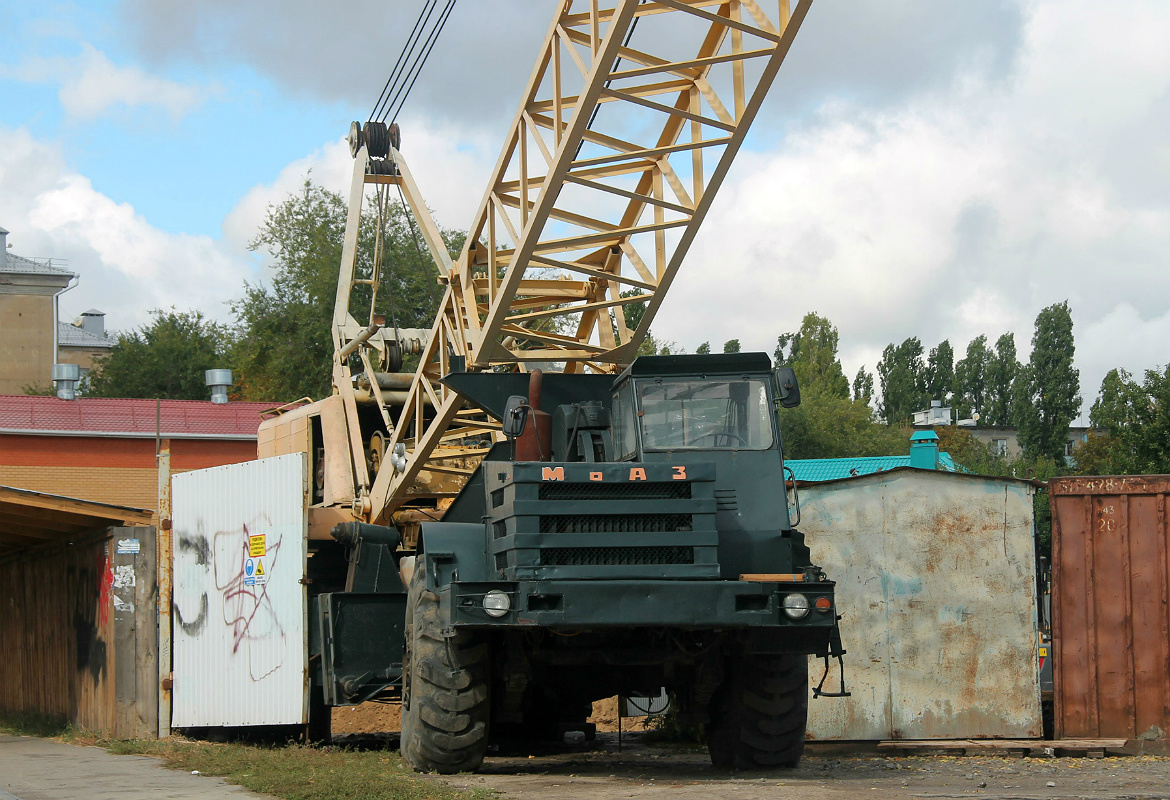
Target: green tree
827,423
828,426
902,374
284,330
731,346
650,346
812,353
940,372
165,358
971,380
703,349
1002,369
1135,419
1048,395
863,386
633,311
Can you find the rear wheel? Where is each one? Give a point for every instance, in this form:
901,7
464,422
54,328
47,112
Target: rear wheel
758,715
445,692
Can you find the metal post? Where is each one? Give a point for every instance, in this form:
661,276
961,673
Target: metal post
164,563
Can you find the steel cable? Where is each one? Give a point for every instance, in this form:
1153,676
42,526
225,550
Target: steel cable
394,80
399,99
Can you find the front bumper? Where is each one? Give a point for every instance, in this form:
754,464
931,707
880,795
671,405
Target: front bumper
638,603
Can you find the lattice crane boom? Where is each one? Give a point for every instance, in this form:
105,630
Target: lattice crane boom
608,169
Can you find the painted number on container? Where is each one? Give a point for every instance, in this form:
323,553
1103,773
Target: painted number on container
1104,523
680,473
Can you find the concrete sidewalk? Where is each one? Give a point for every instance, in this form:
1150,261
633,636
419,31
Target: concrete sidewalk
40,769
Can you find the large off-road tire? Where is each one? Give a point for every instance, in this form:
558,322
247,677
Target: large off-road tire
445,692
758,715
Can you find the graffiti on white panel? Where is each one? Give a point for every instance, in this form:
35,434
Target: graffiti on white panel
214,572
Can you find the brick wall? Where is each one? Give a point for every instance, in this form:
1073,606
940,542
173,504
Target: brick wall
122,486
107,470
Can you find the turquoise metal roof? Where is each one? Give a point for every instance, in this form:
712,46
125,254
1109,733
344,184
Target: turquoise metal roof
831,469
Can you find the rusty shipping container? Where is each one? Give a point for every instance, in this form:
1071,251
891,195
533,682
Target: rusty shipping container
1111,606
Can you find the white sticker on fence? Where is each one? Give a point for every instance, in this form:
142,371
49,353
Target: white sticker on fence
240,642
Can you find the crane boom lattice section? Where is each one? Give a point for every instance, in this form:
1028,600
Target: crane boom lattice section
628,125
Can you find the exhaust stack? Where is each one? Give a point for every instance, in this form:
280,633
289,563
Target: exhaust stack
66,377
218,380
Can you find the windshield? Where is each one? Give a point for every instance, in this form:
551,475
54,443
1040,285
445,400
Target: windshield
705,415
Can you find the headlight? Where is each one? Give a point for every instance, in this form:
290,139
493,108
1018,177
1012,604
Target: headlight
795,605
497,604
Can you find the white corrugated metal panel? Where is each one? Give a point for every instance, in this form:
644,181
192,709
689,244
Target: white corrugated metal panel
936,581
240,642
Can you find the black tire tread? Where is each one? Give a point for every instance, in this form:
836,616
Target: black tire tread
759,714
444,720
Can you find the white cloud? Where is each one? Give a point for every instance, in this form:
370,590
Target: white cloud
126,266
961,212
443,161
92,86
330,166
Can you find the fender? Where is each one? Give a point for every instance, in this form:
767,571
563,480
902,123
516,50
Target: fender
453,551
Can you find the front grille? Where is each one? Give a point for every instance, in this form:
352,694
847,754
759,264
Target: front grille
501,561
615,556
654,490
499,529
616,523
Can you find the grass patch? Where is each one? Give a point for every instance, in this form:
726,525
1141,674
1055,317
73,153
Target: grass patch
34,725
293,772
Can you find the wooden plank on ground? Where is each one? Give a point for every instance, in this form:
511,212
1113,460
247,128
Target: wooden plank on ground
1090,748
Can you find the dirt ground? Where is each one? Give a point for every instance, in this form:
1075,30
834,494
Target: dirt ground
386,718
600,771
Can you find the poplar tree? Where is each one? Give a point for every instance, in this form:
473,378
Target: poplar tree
1002,369
903,377
971,380
1048,396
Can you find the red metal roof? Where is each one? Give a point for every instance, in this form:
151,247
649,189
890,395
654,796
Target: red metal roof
129,417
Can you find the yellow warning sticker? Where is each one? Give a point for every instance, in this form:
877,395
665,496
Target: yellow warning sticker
1043,652
256,546
259,567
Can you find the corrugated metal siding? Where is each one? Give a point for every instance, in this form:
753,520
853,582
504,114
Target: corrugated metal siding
240,649
936,582
1111,606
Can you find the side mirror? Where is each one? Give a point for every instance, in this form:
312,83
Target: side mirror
515,416
786,388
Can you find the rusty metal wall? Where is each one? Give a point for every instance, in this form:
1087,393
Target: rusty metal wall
57,633
936,583
1111,606
240,646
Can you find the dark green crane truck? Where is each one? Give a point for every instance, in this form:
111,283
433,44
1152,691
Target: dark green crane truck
631,535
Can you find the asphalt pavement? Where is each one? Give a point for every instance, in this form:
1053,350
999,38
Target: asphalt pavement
41,769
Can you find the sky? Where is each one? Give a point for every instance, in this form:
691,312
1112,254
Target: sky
922,168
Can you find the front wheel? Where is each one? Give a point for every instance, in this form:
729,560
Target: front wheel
445,693
758,715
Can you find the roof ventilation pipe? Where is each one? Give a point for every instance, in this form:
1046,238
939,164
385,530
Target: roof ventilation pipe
66,377
218,380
